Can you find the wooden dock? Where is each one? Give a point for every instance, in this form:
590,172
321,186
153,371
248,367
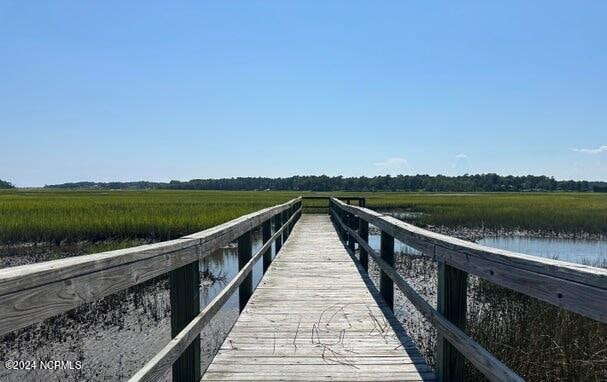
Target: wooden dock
314,317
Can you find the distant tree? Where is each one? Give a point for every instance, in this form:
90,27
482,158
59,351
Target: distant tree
438,183
5,184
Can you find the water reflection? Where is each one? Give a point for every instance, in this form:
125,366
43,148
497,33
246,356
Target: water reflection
225,262
573,250
399,247
581,251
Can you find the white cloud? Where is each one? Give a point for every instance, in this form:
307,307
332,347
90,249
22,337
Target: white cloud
596,151
394,165
462,164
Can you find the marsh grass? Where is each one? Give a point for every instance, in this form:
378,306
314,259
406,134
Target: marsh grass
59,216
539,341
71,216
549,212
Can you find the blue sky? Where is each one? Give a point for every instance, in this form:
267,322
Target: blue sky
178,90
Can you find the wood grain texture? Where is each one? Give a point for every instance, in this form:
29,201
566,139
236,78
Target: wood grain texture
451,304
484,361
313,317
162,361
575,287
184,285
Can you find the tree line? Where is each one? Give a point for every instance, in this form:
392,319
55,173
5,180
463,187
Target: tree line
5,184
438,183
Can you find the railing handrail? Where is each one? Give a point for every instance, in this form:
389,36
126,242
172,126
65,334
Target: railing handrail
490,366
32,293
575,287
578,288
163,360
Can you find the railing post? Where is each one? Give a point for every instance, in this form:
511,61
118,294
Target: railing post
245,252
342,216
452,294
266,233
352,223
297,208
277,225
285,232
346,220
386,286
184,286
363,232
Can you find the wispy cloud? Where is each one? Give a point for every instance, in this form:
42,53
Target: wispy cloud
394,165
596,151
462,163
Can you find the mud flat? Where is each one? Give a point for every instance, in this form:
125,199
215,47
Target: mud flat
114,337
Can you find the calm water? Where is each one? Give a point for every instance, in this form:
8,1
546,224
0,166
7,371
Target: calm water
581,251
225,262
572,250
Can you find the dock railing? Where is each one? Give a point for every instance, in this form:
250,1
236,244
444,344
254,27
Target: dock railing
31,293
574,287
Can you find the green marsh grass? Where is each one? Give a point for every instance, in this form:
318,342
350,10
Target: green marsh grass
71,216
553,212
539,341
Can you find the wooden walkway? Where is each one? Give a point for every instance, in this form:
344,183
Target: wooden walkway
314,317
316,314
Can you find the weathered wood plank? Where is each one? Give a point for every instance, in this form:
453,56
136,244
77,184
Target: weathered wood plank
266,233
575,287
314,308
363,232
184,285
484,361
245,252
451,303
386,286
163,360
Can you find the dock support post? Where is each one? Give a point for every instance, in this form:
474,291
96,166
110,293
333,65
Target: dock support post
277,225
386,286
285,232
245,252
184,283
266,233
363,232
343,217
291,213
451,303
352,224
